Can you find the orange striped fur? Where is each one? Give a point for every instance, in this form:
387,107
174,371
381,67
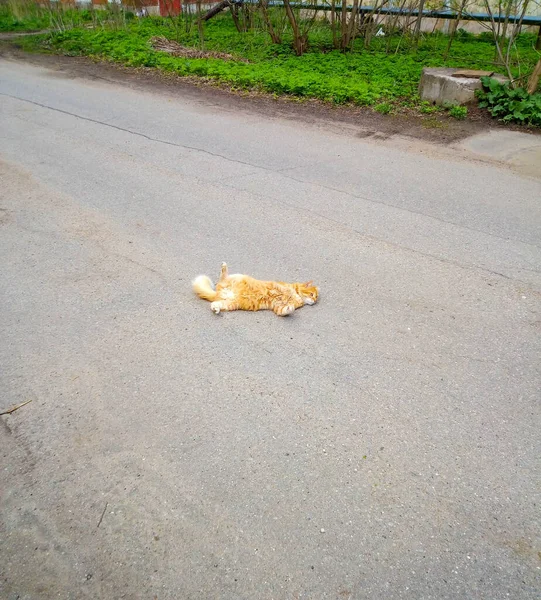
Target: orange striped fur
241,292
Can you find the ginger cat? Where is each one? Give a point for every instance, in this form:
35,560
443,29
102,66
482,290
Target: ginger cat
240,292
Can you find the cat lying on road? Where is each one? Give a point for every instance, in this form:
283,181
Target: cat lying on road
241,292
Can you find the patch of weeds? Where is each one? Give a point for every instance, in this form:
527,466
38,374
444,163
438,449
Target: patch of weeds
22,18
384,108
428,108
457,111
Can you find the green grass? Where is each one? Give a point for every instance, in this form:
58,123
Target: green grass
28,18
363,77
458,112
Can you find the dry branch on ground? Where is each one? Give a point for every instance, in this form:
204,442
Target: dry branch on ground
162,44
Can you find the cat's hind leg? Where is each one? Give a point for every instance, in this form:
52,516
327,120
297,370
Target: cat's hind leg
224,273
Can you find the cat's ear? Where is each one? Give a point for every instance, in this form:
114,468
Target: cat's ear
308,283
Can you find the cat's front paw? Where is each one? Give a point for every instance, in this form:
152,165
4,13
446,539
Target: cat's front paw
284,311
215,307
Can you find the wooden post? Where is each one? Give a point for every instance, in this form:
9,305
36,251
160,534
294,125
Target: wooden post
533,82
417,30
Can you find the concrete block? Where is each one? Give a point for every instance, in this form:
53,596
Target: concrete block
442,85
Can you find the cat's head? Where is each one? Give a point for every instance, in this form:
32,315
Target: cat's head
308,292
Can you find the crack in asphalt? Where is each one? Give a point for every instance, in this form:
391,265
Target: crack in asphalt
138,133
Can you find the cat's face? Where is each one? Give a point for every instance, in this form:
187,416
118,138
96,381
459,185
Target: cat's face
308,292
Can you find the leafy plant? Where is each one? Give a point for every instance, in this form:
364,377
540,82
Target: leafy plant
384,108
427,108
509,104
458,112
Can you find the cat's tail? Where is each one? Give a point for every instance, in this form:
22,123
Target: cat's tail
203,287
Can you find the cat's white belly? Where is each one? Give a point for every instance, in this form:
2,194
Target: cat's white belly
227,294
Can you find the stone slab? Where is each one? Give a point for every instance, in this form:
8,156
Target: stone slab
472,73
441,86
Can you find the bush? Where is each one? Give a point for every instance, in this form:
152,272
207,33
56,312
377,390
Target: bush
508,104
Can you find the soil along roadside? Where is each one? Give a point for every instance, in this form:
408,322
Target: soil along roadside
385,77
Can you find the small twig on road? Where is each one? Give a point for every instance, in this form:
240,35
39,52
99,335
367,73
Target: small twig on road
102,514
14,408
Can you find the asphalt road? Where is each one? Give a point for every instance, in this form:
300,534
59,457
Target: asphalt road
382,444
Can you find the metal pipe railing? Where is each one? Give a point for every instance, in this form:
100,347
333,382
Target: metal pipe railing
433,14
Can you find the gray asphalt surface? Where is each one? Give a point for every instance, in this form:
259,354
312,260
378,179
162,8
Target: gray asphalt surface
382,444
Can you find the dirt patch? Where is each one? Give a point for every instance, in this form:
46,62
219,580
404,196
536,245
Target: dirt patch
367,123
